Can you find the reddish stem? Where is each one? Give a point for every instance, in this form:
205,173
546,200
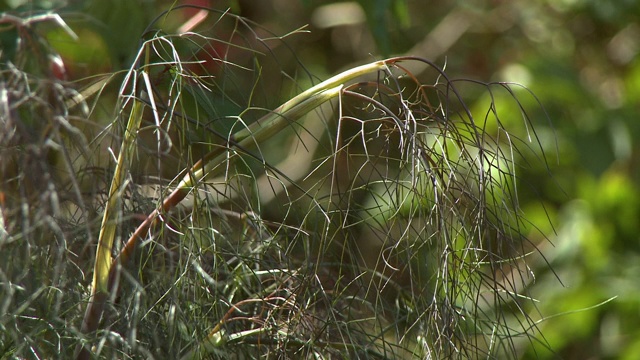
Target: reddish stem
95,308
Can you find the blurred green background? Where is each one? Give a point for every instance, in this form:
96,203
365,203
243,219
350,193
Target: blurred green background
579,58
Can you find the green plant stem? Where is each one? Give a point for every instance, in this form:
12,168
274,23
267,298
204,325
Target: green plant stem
103,263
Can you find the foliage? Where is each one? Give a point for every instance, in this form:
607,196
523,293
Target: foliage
407,217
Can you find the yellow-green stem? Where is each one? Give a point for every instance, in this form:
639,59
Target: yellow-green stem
110,218
281,117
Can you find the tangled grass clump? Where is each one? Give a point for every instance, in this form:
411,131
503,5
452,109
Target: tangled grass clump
373,215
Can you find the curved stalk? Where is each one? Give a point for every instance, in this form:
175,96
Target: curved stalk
105,272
